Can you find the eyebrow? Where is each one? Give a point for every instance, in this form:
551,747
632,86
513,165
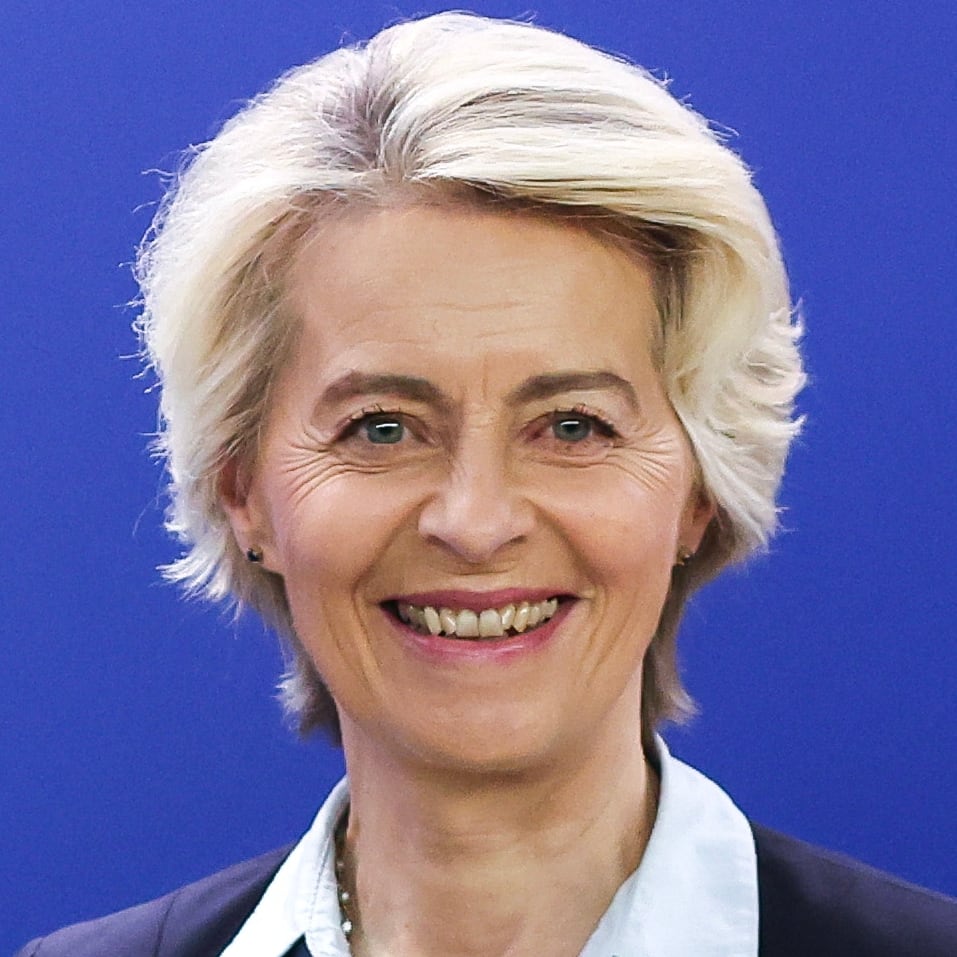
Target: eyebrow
552,383
356,384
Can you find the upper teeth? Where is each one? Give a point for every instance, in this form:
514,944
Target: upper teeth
487,623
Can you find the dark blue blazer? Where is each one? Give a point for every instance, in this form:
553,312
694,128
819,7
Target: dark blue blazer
812,904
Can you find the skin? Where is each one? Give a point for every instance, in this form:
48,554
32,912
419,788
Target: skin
498,799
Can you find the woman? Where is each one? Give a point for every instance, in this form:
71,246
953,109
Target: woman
477,358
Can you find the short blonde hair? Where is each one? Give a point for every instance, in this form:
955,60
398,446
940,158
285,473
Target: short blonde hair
499,113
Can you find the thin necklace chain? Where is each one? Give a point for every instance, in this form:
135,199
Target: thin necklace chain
342,891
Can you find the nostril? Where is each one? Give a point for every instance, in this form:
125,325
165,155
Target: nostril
474,535
477,510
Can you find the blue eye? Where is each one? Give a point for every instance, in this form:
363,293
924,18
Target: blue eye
384,430
572,428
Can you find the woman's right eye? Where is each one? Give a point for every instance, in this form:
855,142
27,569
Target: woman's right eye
375,427
382,429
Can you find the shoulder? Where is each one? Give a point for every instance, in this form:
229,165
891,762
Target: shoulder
194,921
816,902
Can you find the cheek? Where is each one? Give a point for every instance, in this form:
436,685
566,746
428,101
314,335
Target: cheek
630,561
621,526
331,537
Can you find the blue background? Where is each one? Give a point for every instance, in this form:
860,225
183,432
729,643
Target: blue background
139,743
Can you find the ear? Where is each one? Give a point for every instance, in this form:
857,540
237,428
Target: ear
698,514
243,504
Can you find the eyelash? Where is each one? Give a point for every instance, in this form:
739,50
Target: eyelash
357,417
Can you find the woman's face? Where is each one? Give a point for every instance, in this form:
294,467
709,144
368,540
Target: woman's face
471,424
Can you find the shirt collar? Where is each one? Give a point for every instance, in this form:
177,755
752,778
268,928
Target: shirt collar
695,893
303,896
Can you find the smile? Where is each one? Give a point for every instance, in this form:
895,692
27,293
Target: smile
512,619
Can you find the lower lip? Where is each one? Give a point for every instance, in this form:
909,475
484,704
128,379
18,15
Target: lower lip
438,649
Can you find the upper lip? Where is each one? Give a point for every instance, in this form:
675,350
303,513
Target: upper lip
478,600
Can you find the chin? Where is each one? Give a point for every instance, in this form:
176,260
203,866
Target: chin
486,744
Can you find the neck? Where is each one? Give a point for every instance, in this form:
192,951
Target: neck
465,864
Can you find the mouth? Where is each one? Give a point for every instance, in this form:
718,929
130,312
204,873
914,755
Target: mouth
476,624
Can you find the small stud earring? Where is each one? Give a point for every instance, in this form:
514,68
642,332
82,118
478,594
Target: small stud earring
254,556
685,555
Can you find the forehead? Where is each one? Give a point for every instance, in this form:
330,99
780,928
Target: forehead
404,284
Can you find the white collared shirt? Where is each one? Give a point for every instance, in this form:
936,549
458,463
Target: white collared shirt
695,893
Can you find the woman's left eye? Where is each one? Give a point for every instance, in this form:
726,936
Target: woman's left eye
576,427
573,428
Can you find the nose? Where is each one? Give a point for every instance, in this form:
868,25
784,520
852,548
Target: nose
478,509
